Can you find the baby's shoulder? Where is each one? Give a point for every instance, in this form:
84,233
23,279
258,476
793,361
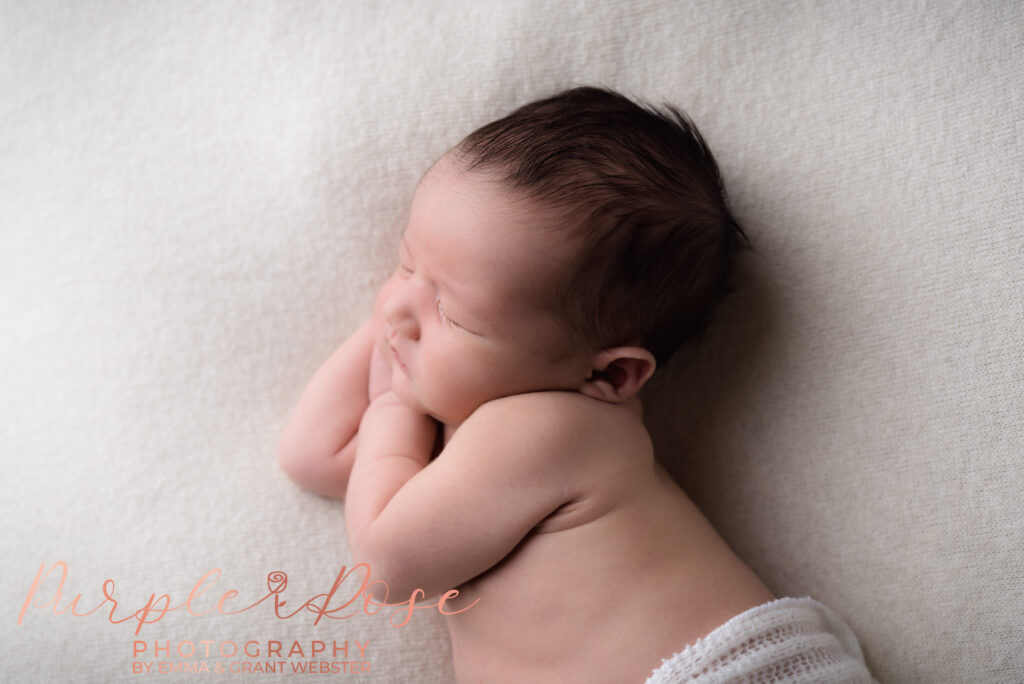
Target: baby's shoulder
563,405
598,454
567,421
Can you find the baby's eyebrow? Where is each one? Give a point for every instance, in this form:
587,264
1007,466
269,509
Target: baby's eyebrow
461,296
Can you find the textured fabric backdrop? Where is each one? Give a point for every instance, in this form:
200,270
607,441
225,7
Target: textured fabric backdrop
199,199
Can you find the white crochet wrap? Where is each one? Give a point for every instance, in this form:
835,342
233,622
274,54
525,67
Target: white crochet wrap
781,642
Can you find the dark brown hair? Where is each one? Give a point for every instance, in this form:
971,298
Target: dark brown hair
641,190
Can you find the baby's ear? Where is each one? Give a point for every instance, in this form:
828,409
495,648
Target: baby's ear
618,373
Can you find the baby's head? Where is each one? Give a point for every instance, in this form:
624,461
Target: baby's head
639,193
593,236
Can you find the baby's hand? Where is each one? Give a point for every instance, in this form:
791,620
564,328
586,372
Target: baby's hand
380,373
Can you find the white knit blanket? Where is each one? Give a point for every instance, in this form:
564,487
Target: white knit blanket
785,641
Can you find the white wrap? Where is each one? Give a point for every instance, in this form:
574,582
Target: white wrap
782,642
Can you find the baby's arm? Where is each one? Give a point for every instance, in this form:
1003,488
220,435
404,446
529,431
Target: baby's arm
435,524
396,444
318,445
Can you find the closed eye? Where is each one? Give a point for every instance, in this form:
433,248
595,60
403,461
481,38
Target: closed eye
443,315
449,321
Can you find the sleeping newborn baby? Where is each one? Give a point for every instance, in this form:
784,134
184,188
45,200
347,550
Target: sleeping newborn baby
485,429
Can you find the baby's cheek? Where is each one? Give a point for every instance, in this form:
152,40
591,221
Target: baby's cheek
475,386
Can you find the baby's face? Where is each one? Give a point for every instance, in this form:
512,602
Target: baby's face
461,312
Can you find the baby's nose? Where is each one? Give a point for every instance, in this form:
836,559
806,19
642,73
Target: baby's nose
406,327
401,319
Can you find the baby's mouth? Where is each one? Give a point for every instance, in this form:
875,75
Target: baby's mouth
399,359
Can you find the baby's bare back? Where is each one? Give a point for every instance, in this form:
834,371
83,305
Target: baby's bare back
626,573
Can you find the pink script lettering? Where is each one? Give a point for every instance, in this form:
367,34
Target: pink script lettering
158,606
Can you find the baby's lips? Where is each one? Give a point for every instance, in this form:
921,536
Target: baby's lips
398,358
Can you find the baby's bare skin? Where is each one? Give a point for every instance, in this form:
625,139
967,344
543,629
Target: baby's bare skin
622,575
545,505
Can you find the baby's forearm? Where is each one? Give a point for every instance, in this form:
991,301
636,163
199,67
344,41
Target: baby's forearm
395,443
318,445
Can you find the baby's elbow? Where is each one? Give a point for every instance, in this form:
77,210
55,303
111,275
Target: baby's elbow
313,474
392,578
290,460
391,584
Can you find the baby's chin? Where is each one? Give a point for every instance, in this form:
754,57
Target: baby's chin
402,391
446,412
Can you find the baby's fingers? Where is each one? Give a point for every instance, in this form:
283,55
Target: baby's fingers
380,373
